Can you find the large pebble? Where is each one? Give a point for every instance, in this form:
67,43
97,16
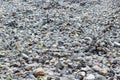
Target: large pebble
102,71
82,74
99,77
25,56
90,77
116,44
39,72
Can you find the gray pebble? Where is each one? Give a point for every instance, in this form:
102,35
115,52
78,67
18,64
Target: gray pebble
90,77
116,44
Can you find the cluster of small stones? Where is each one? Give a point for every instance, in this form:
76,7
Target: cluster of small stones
59,39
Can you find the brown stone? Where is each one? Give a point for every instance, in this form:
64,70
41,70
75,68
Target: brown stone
39,72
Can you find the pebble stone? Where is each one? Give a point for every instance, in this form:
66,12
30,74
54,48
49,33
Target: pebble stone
90,77
59,39
39,72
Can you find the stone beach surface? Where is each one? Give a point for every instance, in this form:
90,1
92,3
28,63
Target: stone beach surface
59,39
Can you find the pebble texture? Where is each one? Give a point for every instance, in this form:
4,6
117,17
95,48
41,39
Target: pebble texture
59,39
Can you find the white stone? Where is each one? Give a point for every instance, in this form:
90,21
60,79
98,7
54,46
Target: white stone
116,44
90,77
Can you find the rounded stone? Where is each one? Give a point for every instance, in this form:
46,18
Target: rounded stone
39,72
90,77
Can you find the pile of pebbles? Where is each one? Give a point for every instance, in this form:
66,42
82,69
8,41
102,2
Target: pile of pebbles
59,39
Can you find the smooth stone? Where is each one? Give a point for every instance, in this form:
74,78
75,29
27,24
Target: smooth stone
52,61
99,77
90,77
116,44
96,68
25,56
44,51
2,54
82,74
29,67
103,71
36,58
39,72
118,76
16,64
56,54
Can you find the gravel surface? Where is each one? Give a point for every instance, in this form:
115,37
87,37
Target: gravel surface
59,39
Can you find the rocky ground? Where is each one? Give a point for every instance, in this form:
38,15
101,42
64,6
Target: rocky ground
59,39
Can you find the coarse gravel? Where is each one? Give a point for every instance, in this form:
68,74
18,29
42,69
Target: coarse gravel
59,39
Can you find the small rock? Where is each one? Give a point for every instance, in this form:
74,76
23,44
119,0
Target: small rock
16,71
63,78
20,73
56,54
90,63
88,39
116,44
82,74
59,65
99,77
87,68
2,54
70,65
118,77
52,61
39,72
16,64
28,68
88,58
57,78
103,71
90,77
25,56
96,68
49,78
111,73
54,45
36,58
60,43
102,44
47,62
1,10
44,51
42,60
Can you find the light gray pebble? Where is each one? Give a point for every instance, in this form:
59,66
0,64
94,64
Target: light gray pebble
89,77
116,44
